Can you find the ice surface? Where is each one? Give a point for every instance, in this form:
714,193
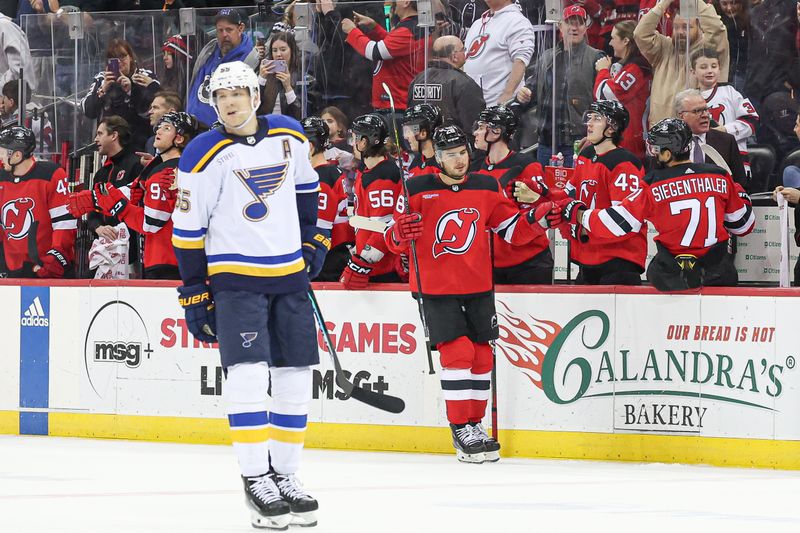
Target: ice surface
63,485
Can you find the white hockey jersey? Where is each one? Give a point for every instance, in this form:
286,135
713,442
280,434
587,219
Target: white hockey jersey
239,214
729,108
493,43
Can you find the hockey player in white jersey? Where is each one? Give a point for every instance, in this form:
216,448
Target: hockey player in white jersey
246,240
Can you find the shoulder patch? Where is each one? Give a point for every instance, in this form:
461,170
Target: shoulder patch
202,150
483,182
385,170
424,183
618,156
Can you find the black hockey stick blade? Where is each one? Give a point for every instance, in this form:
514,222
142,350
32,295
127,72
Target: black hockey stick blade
384,402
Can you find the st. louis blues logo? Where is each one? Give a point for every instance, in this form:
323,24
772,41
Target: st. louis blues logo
261,182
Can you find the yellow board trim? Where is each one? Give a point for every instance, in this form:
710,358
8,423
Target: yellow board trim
188,245
516,443
211,153
263,272
9,422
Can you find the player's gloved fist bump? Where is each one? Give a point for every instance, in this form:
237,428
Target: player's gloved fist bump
53,265
315,248
566,210
541,211
407,227
198,306
113,201
356,273
80,203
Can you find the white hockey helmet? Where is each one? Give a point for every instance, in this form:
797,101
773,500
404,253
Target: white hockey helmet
234,75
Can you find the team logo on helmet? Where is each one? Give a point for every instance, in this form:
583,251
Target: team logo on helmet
477,46
456,231
18,217
262,182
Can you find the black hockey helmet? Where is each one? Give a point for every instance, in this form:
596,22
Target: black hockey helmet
499,116
614,112
447,137
671,134
317,132
428,117
184,123
372,127
18,138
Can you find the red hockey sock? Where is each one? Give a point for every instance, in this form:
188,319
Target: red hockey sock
456,357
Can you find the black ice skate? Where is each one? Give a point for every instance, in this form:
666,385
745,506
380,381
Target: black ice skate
302,505
492,453
469,447
268,509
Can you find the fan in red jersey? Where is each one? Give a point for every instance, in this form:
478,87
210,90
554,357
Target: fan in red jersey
448,217
532,263
419,123
332,217
604,176
38,232
377,188
693,206
155,188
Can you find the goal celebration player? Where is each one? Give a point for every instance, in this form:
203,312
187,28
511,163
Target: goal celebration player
449,216
246,241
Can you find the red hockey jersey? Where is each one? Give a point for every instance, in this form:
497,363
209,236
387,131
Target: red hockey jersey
399,55
38,196
692,206
333,204
453,251
600,182
376,191
422,165
506,254
629,85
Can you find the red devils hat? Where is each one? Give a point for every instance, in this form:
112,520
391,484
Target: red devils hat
176,45
574,11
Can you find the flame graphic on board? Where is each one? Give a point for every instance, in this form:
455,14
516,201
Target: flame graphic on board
524,341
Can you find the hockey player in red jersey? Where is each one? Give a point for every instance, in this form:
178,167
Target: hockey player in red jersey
33,196
377,187
604,176
419,123
448,216
154,187
332,217
532,263
398,54
693,206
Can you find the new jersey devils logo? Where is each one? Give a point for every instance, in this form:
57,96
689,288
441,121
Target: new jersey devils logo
455,231
716,112
17,217
477,46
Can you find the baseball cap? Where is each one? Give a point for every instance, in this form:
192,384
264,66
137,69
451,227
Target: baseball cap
231,15
574,11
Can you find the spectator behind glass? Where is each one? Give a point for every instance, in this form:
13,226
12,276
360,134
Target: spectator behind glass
231,44
9,115
735,15
126,93
667,55
163,102
338,150
628,82
176,57
277,76
15,54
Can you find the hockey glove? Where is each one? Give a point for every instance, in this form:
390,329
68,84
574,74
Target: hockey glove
166,182
565,211
356,273
742,194
407,227
80,203
542,210
53,265
137,192
315,247
113,202
198,305
401,267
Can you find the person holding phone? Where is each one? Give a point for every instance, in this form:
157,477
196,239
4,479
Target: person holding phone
123,89
277,75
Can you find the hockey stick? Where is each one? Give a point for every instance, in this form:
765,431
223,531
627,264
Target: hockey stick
384,402
413,243
365,223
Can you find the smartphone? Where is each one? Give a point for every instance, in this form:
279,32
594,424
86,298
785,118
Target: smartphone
113,67
279,65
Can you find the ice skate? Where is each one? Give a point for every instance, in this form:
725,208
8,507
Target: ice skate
268,509
303,506
469,447
492,453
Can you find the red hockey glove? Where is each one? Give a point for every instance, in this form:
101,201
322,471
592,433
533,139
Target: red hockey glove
80,203
534,183
356,273
166,181
743,195
137,192
542,210
401,267
564,211
113,202
407,227
53,265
